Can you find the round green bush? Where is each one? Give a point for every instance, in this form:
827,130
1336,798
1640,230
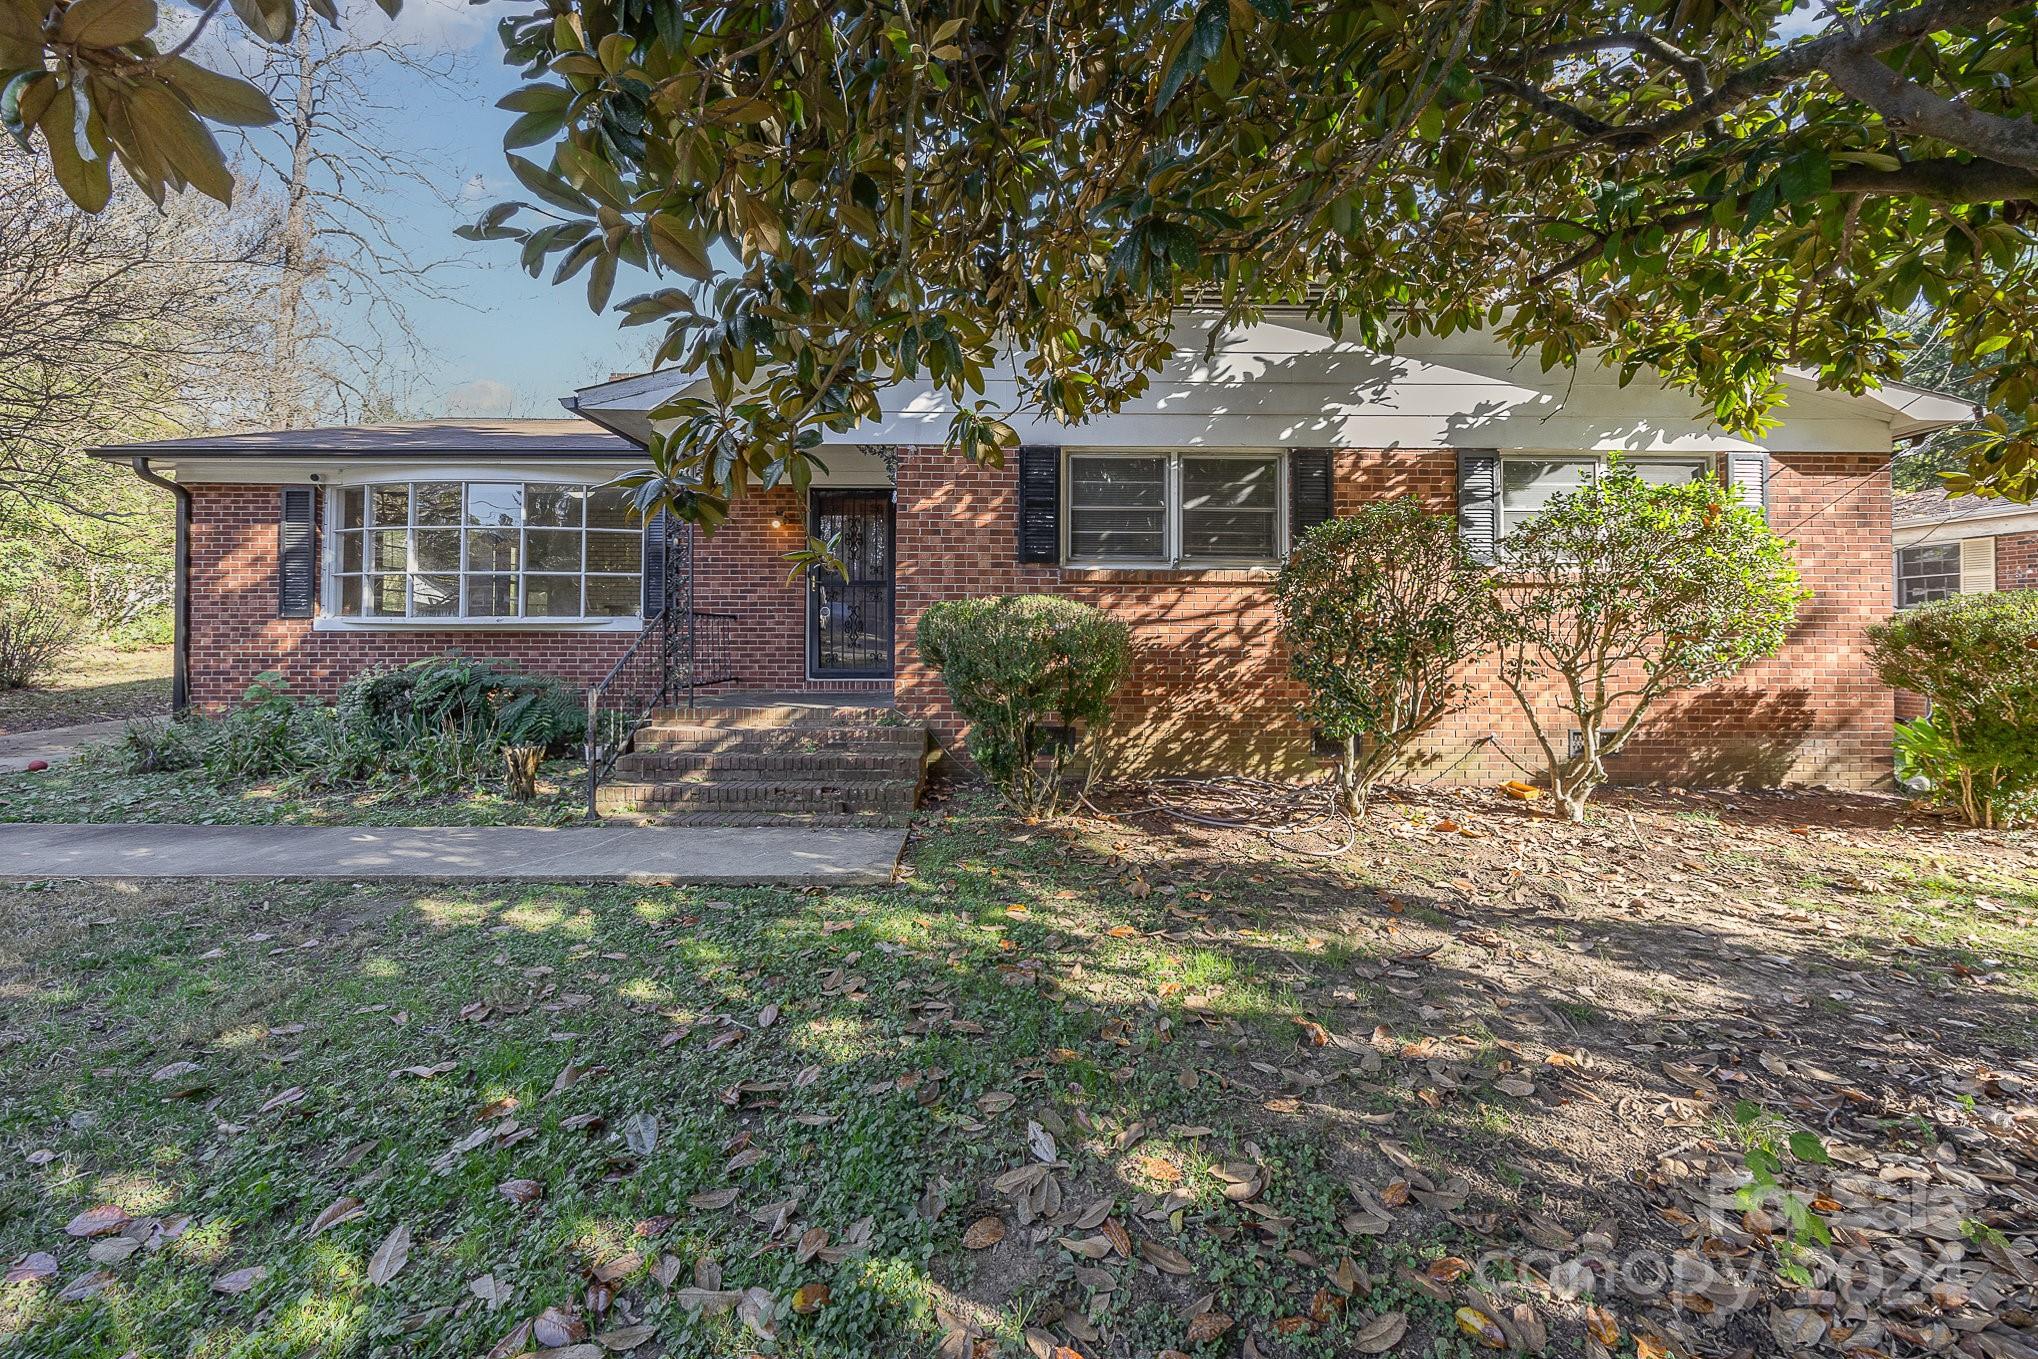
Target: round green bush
1019,666
1975,659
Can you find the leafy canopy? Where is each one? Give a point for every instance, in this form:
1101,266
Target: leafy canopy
850,194
91,82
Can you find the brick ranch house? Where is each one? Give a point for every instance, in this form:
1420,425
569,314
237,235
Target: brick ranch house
1947,546
319,553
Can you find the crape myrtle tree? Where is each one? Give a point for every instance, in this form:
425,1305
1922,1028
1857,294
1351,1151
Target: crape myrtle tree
873,190
1621,593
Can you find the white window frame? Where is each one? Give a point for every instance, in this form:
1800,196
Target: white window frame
330,619
1707,463
1171,505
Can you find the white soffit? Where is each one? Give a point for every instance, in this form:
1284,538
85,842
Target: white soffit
1285,382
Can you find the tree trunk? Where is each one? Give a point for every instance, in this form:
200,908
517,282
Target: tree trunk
1350,793
286,369
520,770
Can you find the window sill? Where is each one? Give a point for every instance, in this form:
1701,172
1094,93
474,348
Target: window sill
1169,575
328,623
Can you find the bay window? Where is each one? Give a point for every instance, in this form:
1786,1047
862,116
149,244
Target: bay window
491,550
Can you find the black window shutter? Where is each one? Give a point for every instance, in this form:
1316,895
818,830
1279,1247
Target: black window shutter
1308,491
1748,478
1479,502
296,553
1039,503
656,586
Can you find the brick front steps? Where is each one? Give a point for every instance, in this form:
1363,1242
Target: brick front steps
770,763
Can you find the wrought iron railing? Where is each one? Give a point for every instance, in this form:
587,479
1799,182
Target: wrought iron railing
674,657
680,650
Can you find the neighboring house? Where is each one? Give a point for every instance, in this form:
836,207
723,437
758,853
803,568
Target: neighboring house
320,553
1963,545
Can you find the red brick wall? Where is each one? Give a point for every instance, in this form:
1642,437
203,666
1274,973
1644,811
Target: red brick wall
2017,561
1209,688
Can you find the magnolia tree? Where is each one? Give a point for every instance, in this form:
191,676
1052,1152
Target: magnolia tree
852,193
1377,610
1623,592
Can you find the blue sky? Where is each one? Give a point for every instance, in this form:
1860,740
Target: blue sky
503,343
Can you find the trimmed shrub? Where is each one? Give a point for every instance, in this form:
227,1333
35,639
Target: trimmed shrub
1378,609
1023,671
36,631
1625,592
1975,659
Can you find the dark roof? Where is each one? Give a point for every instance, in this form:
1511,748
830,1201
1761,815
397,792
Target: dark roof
1936,507
417,438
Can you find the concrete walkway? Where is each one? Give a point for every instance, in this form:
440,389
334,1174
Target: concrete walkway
758,855
54,744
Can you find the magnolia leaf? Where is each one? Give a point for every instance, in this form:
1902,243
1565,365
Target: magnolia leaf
390,1257
107,23
222,98
270,20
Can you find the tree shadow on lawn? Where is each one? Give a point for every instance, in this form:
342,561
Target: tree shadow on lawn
887,1054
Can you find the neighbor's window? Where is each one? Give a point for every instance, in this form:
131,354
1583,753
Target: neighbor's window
1173,509
1927,573
1527,484
484,549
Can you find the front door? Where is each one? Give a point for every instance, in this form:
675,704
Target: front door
849,613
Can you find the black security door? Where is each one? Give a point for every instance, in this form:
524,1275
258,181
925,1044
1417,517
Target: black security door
849,614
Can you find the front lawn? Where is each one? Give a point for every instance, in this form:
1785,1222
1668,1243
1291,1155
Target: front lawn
94,684
1112,1087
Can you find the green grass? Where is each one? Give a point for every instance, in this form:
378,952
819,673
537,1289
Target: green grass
860,1102
97,791
94,684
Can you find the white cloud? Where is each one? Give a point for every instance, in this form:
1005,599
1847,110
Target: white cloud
478,188
481,397
430,25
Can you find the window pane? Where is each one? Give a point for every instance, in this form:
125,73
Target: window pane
491,596
1927,574
1117,508
1212,483
391,552
1234,535
613,596
609,507
389,505
552,596
350,550
492,549
553,549
435,596
385,596
550,505
1658,472
1526,485
1229,508
615,552
437,549
438,502
496,504
1108,482
350,596
353,504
